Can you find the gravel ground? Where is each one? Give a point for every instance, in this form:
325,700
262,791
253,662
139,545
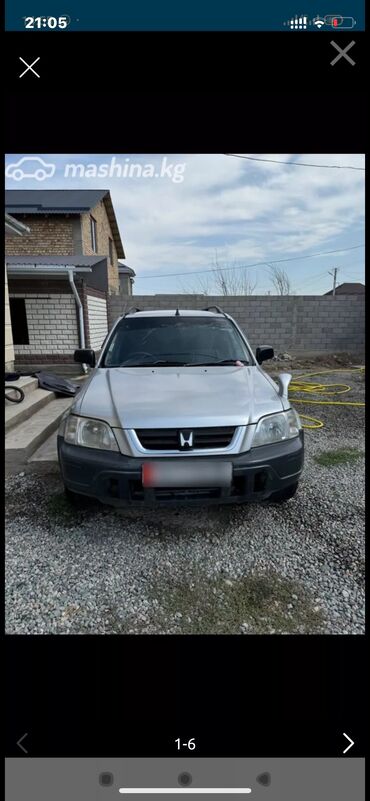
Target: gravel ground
265,569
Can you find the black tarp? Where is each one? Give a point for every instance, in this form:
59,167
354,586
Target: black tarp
49,381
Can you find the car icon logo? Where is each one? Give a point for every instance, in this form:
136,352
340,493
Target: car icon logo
30,167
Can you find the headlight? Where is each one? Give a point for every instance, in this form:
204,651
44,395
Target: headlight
277,427
88,433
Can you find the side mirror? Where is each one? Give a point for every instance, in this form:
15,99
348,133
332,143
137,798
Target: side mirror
85,356
263,353
283,380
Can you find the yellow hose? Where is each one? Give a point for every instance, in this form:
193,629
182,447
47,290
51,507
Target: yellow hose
297,385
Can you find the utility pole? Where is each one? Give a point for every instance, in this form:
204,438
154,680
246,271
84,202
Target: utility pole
334,274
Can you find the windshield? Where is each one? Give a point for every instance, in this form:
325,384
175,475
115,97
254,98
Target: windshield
168,341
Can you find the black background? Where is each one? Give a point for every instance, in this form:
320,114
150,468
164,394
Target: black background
207,62
248,695
118,92
114,696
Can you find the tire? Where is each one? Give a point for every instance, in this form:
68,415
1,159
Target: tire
283,495
17,394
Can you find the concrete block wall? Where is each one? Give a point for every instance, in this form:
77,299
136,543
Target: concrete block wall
296,323
52,327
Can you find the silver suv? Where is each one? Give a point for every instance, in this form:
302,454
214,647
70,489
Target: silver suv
178,409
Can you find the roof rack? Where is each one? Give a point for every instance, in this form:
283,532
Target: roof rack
132,310
218,310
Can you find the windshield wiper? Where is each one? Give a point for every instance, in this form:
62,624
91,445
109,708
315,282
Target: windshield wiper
168,363
158,363
215,364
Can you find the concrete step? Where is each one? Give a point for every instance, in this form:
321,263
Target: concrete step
22,441
28,384
16,413
47,452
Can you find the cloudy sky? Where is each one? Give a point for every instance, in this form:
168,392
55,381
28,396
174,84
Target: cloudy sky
245,214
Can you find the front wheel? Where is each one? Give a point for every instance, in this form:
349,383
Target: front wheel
283,495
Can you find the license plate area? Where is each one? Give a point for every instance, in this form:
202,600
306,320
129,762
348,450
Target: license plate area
187,473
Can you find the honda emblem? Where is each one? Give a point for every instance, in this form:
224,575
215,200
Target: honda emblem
186,439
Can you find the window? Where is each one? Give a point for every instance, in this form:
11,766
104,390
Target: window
93,232
187,340
111,250
18,316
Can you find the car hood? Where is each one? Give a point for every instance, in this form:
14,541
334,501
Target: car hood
175,397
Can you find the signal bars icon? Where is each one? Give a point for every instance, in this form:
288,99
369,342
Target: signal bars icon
298,23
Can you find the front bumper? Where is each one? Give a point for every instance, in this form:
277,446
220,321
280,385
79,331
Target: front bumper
116,479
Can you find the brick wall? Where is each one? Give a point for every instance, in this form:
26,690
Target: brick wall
103,234
52,327
297,323
49,236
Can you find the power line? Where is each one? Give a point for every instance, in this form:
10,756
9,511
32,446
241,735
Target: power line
321,275
351,274
312,278
256,264
296,163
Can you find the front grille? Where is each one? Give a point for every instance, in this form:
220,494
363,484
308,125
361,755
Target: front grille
168,439
138,493
173,493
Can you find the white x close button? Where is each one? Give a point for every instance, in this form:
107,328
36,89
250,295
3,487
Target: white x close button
29,67
343,53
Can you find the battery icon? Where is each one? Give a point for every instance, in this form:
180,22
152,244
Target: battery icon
337,22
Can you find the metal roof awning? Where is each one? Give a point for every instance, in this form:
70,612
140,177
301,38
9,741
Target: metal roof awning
69,261
36,270
51,265
13,226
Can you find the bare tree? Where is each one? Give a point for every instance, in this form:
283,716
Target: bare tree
280,280
200,286
232,279
225,279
